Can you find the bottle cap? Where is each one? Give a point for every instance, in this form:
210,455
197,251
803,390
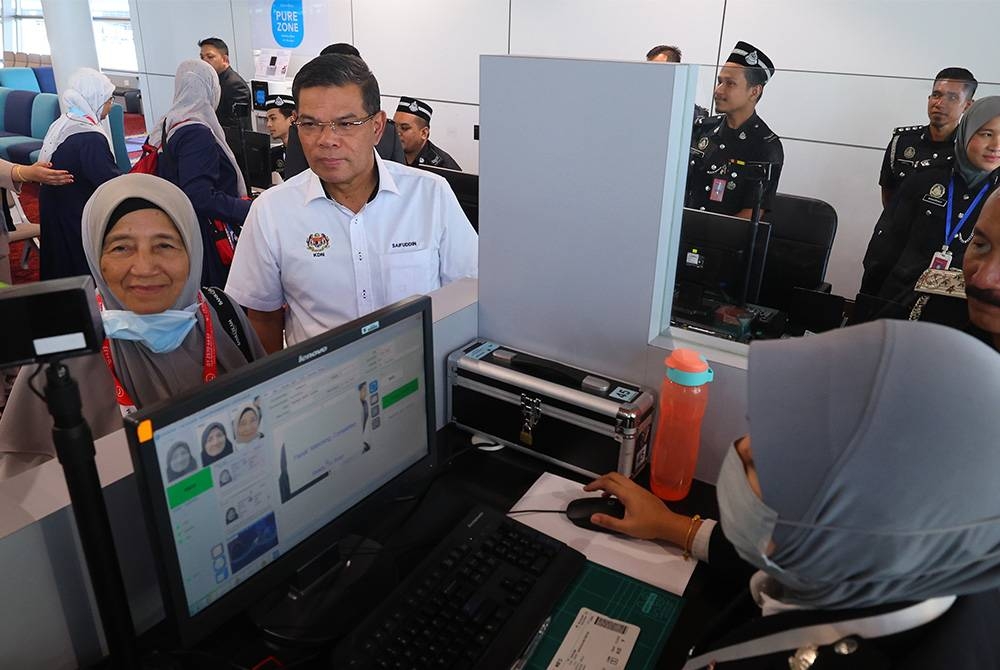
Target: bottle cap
688,368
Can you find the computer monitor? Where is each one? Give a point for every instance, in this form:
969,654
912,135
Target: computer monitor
466,188
253,155
259,91
250,478
713,258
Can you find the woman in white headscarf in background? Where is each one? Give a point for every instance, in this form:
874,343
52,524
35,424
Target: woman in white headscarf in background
164,336
867,503
197,159
78,143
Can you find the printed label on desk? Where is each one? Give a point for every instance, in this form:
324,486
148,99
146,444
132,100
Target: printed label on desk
483,350
595,642
623,394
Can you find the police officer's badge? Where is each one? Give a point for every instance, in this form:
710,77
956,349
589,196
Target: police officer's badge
279,101
910,152
731,185
703,143
743,136
317,243
414,107
937,190
752,58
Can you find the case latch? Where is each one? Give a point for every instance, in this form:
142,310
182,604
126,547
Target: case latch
531,412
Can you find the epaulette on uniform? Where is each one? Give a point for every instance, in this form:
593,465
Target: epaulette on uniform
709,120
906,130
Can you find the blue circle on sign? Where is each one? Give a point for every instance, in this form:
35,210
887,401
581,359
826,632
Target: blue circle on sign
286,23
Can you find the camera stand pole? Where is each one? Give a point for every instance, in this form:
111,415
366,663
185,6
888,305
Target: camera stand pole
758,197
75,449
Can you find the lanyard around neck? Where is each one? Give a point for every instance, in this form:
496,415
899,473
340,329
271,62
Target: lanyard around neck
209,363
951,230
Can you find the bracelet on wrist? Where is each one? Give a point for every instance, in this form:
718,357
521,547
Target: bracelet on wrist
689,537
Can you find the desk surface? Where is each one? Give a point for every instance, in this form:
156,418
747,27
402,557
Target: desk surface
496,479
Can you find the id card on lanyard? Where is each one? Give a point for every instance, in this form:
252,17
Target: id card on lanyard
209,364
941,260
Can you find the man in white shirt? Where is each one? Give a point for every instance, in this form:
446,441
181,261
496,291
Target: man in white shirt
353,233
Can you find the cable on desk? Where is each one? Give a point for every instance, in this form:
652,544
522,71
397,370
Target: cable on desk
536,511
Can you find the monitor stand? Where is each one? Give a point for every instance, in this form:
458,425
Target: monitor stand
325,598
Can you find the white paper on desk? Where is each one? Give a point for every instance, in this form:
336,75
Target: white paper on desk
651,562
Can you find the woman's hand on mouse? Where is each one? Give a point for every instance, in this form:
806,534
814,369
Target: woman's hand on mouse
646,517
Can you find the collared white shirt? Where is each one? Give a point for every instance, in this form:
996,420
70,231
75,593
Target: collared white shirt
331,265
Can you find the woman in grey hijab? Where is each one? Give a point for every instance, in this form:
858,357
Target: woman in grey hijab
144,249
930,218
867,503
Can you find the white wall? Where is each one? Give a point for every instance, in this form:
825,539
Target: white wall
849,70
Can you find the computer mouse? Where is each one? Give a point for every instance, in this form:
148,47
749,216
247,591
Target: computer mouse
580,510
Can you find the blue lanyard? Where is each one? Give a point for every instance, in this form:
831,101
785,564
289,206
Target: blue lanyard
950,232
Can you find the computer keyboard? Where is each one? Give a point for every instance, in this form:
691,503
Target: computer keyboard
475,602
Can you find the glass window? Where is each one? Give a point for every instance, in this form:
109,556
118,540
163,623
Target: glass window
109,9
31,37
115,47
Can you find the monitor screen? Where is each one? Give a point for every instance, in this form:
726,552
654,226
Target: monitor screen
253,155
713,256
260,91
241,475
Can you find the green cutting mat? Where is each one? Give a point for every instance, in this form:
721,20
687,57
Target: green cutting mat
620,597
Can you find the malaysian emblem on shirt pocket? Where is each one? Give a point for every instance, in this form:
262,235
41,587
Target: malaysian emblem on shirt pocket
317,243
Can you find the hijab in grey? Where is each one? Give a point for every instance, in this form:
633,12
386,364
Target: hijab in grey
975,117
148,376
877,446
25,427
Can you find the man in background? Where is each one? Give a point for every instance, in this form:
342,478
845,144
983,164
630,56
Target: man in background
235,90
413,121
913,148
280,111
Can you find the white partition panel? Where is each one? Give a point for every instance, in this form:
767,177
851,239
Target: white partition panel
157,95
171,30
915,38
576,214
427,50
452,129
623,30
847,178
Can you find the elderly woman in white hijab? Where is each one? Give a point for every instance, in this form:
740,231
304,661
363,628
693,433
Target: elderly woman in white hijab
78,143
165,335
867,504
197,158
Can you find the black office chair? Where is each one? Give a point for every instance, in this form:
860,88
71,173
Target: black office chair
802,232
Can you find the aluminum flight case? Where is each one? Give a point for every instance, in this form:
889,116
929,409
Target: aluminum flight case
584,421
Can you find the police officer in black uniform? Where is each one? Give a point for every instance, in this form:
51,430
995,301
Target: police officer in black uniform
731,152
928,223
913,148
279,109
413,121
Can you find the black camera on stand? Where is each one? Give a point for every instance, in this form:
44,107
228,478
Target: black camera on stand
45,323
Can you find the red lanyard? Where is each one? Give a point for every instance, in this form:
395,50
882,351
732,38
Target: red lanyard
209,367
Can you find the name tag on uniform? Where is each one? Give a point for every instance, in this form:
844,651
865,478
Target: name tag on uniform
941,260
718,190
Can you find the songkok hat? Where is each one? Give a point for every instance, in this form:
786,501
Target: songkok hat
748,55
279,101
415,107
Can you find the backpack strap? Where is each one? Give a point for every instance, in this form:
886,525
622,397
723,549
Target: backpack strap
226,311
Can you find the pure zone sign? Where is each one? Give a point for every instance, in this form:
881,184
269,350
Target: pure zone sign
286,23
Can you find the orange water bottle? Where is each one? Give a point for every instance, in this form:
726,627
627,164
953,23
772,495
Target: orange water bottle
683,398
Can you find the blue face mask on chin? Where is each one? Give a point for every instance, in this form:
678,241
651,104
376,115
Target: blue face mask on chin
746,521
159,333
